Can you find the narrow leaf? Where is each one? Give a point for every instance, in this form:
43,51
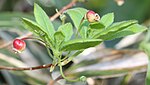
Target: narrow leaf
33,27
43,20
107,19
129,31
79,44
115,28
67,30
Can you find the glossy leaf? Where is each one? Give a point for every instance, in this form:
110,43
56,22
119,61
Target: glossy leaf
115,28
107,19
79,44
66,30
59,38
43,20
33,27
76,15
129,31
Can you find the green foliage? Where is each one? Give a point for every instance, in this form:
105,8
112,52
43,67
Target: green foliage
114,28
107,19
59,38
67,30
43,20
90,34
128,31
79,44
33,27
97,25
77,14
83,29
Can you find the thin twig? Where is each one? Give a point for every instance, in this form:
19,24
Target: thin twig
26,68
72,3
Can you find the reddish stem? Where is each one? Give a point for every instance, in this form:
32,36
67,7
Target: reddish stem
26,68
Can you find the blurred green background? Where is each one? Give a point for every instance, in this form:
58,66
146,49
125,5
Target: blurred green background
11,12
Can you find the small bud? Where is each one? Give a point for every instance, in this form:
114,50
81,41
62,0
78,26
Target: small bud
83,78
92,16
19,45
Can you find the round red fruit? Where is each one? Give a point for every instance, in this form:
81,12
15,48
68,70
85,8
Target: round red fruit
19,45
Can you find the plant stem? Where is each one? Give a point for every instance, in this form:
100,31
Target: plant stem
26,68
72,3
49,53
66,56
70,58
61,71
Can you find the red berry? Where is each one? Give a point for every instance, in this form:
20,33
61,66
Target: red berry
92,16
19,45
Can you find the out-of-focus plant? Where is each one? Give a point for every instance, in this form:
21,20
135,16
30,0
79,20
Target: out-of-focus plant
145,46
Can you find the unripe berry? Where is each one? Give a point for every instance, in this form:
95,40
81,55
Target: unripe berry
19,45
92,16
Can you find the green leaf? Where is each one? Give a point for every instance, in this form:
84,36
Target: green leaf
92,32
107,19
83,29
43,20
79,44
76,15
67,30
59,38
129,31
83,32
97,25
95,28
116,27
33,27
